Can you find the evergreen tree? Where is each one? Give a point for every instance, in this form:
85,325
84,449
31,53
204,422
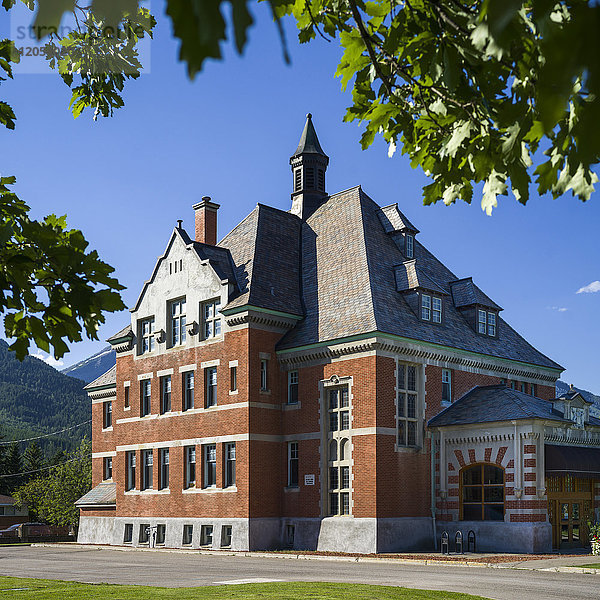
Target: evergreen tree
33,460
13,466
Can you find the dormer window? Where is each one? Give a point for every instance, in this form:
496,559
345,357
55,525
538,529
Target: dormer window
437,309
431,308
486,323
409,245
425,307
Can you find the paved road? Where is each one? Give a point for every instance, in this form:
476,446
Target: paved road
172,569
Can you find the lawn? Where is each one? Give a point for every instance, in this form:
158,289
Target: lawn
40,589
591,566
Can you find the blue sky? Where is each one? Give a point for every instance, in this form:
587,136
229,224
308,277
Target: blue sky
229,134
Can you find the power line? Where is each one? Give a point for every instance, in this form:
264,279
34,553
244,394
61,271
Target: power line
39,437
42,468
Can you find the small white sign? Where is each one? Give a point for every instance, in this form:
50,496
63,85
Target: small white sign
309,480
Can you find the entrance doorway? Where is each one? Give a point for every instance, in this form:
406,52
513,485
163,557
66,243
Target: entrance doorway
570,507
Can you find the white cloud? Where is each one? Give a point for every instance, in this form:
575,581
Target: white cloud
590,288
48,359
558,308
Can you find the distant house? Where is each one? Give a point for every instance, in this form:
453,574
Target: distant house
11,514
319,380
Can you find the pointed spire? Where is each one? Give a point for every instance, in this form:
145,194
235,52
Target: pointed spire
309,142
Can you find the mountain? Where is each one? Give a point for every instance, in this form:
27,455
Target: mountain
91,368
36,399
562,387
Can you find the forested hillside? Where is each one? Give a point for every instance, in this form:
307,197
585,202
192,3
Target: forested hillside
36,399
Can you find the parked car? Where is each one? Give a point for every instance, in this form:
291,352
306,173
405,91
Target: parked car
36,530
10,532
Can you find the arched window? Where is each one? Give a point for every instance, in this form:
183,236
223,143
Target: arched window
482,493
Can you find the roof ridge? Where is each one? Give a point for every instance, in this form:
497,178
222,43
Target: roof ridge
255,209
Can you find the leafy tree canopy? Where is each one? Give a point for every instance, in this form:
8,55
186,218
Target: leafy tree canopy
51,497
470,90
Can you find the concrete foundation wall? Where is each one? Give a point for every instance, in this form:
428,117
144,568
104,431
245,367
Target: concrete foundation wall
97,530
498,536
404,535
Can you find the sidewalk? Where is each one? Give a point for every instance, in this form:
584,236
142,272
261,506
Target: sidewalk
568,563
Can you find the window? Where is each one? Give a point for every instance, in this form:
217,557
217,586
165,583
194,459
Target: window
211,319
177,321
446,385
210,376
407,405
292,464
145,392
106,415
163,463
482,496
290,531
161,530
481,319
188,532
309,173
165,394
292,387
190,466
491,330
232,379
321,175
437,309
409,245
130,464
108,467
229,464
486,323
206,535
128,533
297,179
264,375
533,390
146,334
144,536
338,458
210,465
126,400
523,388
147,464
188,390
513,385
338,407
226,536
425,307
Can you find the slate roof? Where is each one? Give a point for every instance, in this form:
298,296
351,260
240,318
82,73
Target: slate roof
309,142
108,378
410,277
103,493
265,248
120,334
466,293
393,219
572,393
490,403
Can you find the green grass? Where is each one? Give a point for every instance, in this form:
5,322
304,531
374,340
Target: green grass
591,566
41,589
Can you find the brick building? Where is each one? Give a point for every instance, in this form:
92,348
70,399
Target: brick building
319,380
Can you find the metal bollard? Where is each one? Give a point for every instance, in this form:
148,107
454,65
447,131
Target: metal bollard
458,543
471,540
445,545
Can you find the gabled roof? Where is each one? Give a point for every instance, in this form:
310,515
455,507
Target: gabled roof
265,249
572,393
410,277
102,494
121,335
394,220
309,142
218,258
105,380
491,403
466,293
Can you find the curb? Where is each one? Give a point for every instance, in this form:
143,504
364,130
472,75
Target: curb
300,556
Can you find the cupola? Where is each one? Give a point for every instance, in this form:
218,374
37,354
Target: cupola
309,164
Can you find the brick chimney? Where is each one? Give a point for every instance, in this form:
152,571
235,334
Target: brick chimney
206,221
